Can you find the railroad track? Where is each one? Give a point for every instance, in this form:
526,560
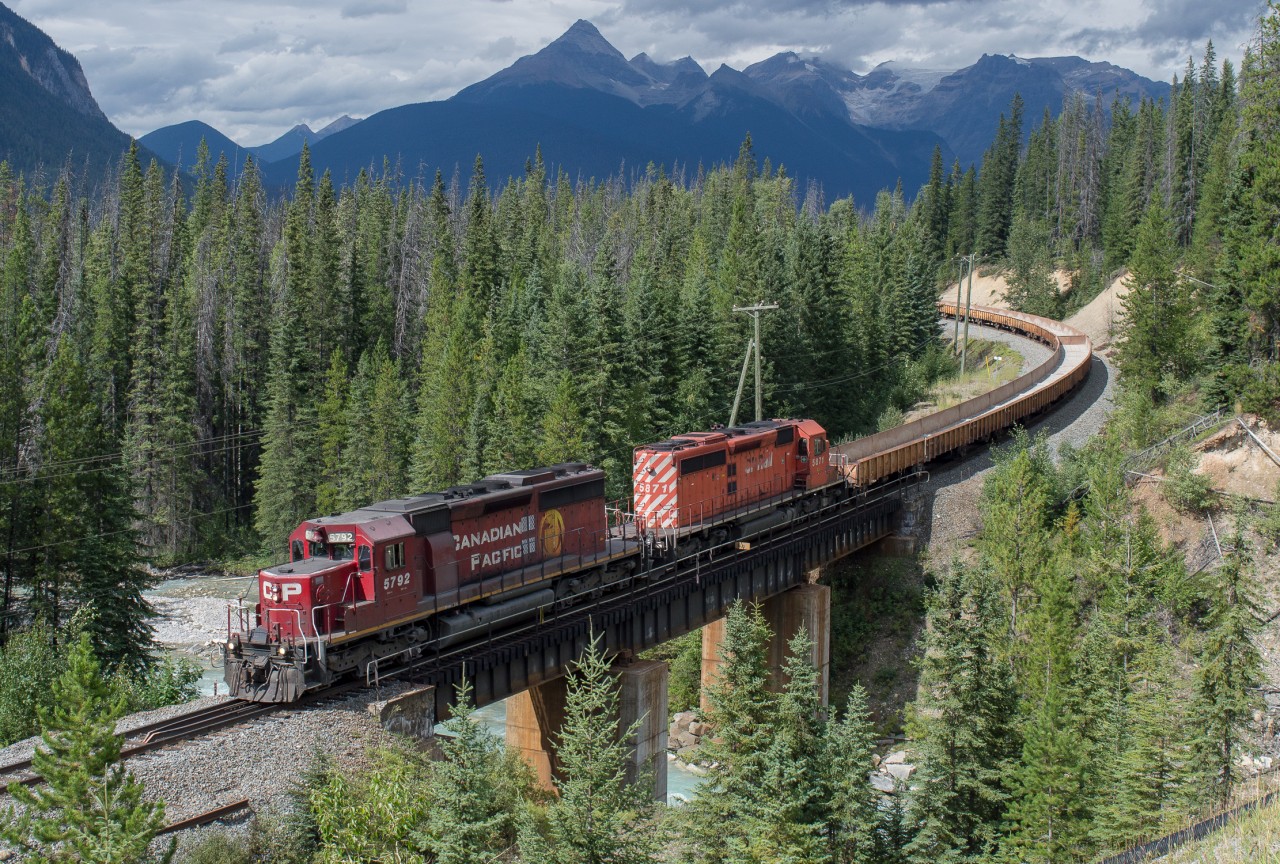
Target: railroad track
183,727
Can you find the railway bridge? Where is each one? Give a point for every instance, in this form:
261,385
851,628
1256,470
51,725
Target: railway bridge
777,568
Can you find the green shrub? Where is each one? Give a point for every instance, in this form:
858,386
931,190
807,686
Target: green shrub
169,681
217,847
29,664
1184,489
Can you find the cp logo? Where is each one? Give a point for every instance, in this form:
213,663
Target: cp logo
551,533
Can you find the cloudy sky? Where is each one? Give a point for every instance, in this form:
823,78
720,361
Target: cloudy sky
254,68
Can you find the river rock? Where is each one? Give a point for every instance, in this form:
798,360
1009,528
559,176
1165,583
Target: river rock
681,741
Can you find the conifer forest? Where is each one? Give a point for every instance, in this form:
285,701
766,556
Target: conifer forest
194,363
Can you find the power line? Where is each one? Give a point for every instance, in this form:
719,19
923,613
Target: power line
197,515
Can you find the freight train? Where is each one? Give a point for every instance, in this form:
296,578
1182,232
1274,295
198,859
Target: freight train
394,577
389,581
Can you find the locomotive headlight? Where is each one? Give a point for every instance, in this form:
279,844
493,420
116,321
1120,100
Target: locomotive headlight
231,646
281,650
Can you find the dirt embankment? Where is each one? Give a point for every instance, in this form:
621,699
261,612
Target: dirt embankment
1099,318
1242,471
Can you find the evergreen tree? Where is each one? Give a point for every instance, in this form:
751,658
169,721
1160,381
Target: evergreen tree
100,570
477,791
1047,811
996,184
1156,351
794,828
598,817
741,711
89,809
1229,673
855,820
1152,772
966,710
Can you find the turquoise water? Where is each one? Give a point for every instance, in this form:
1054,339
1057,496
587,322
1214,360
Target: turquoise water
681,782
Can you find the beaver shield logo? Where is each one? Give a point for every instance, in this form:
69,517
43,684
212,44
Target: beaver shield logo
551,533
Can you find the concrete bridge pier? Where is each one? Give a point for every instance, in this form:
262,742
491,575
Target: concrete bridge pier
807,606
535,716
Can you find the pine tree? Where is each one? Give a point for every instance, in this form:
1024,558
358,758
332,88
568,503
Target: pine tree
996,183
1230,671
89,809
598,817
855,819
1156,351
1047,811
1016,520
966,710
378,441
1152,773
100,571
333,430
794,828
476,791
741,711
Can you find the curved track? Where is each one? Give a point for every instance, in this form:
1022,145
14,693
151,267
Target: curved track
890,453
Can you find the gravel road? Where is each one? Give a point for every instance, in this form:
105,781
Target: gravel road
944,514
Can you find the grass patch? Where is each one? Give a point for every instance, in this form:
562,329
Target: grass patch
1253,838
989,365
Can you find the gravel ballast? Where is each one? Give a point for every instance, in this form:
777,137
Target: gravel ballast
946,508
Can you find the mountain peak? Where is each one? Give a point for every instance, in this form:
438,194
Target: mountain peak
584,36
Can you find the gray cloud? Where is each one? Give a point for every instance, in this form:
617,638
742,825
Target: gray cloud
366,9
251,41
254,68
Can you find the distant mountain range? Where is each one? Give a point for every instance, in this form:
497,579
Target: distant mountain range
594,113
178,144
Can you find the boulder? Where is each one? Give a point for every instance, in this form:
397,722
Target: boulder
883,783
699,729
681,741
897,757
901,771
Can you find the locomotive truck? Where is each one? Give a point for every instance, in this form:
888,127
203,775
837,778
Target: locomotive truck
387,581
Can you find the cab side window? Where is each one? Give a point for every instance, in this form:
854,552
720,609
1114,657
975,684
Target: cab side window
394,555
366,558
295,550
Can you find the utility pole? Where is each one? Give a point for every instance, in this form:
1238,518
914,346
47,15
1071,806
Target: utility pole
968,302
955,341
754,312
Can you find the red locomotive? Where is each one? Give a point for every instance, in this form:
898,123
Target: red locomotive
390,577
383,582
